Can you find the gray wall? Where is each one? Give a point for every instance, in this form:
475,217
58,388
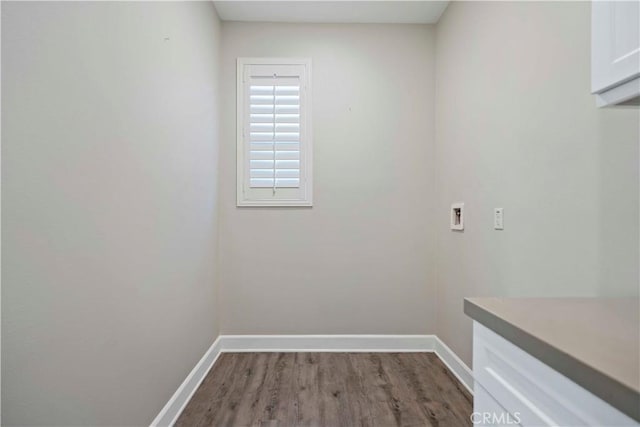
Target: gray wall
517,128
360,260
109,186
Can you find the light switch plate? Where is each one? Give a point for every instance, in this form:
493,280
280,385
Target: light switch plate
498,219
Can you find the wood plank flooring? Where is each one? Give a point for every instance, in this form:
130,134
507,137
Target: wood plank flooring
329,389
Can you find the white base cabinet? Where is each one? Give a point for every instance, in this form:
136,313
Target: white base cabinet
615,52
513,388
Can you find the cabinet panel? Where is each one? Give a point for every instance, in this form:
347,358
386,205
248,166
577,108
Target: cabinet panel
615,37
532,392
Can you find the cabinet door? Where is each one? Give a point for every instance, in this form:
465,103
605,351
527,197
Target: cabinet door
516,388
615,41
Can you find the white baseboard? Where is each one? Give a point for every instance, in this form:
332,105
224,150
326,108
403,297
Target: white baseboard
174,407
455,364
328,343
308,343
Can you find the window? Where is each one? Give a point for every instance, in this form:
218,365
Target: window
274,132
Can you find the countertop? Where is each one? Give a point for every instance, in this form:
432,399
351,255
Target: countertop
593,341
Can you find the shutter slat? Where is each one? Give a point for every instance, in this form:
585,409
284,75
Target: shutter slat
287,118
288,145
288,109
261,99
287,100
280,146
287,164
261,155
261,164
288,155
268,108
279,136
261,127
287,173
261,173
261,118
280,118
261,136
261,182
287,182
280,182
287,136
268,164
280,173
280,127
268,155
279,89
261,90
287,127
261,109
287,90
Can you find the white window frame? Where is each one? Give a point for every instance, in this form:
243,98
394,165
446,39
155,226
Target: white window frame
247,196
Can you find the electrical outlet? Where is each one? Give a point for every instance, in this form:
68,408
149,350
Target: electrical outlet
498,219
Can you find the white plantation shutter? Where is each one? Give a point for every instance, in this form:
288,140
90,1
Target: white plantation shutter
274,143
274,132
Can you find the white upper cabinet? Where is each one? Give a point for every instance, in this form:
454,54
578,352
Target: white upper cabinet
615,52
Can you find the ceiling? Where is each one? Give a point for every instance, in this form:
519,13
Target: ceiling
393,12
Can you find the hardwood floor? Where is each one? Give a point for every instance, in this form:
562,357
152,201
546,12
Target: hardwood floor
329,389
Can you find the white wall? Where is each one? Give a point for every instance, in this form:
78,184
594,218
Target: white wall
359,260
517,128
109,181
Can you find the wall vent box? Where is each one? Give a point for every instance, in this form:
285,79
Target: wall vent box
457,216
